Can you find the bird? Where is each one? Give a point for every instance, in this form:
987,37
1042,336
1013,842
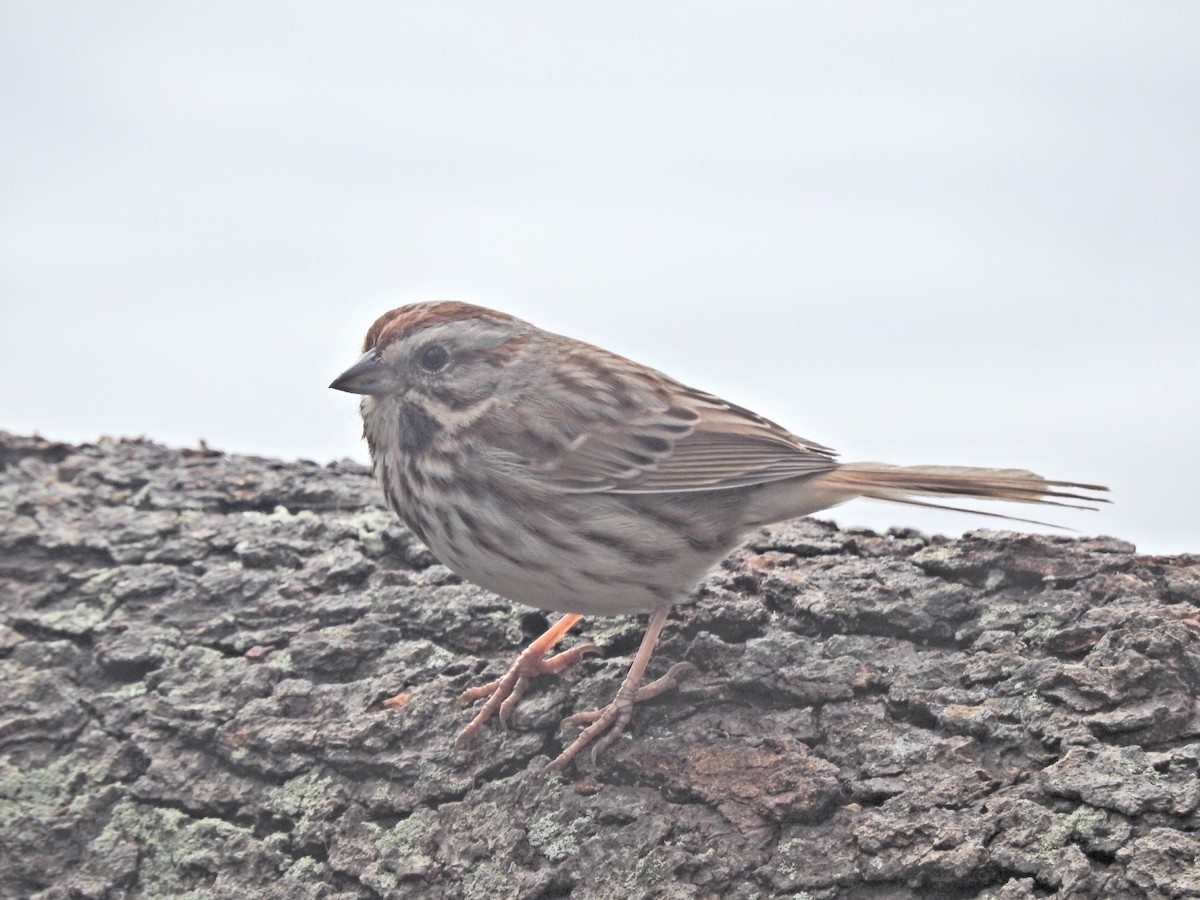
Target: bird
563,476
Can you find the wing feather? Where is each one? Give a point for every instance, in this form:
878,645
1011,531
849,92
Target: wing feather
636,431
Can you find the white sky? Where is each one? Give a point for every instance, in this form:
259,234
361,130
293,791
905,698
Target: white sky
916,232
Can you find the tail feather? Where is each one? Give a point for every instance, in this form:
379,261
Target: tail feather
905,484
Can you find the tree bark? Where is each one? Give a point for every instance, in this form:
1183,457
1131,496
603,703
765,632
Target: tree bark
231,676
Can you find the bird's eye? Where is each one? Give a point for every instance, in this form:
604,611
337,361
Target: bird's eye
434,357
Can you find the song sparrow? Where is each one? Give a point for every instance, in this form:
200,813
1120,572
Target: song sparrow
561,475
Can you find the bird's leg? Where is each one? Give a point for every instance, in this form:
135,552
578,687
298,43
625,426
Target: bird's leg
504,693
608,723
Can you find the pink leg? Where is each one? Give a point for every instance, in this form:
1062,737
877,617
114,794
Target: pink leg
504,692
608,723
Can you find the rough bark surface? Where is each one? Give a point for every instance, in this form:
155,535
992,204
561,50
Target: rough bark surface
235,677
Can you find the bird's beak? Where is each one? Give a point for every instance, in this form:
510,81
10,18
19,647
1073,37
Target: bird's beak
367,376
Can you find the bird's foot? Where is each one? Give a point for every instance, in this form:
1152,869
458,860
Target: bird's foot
605,725
505,692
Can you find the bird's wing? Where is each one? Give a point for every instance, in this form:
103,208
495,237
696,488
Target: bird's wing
628,429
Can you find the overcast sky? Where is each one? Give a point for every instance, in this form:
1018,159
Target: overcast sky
916,232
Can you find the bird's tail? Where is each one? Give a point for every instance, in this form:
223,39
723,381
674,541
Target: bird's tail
910,484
